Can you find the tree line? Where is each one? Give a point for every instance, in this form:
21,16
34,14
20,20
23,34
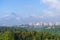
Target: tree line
8,33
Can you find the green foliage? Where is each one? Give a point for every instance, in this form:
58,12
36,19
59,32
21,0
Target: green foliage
23,34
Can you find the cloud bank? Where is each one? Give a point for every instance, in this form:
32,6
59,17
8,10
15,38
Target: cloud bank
53,7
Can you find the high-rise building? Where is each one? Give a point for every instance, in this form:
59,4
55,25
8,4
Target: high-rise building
30,23
45,24
51,24
57,23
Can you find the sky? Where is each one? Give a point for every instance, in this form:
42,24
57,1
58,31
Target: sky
41,9
20,7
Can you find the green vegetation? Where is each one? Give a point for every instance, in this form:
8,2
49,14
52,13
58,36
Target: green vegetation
18,33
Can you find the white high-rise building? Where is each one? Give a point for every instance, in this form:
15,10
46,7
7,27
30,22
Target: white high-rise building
51,24
45,24
39,23
57,23
30,23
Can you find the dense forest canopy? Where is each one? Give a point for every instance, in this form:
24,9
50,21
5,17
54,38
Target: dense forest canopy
20,33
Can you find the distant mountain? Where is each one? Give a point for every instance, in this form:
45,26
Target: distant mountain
14,19
11,19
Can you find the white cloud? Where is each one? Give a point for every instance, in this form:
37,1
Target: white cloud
54,8
52,3
4,16
37,16
17,18
49,13
7,17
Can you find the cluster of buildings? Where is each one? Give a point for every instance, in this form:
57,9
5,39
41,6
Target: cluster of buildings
44,23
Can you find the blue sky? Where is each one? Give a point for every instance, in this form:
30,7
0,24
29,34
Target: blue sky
20,7
42,8
47,10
